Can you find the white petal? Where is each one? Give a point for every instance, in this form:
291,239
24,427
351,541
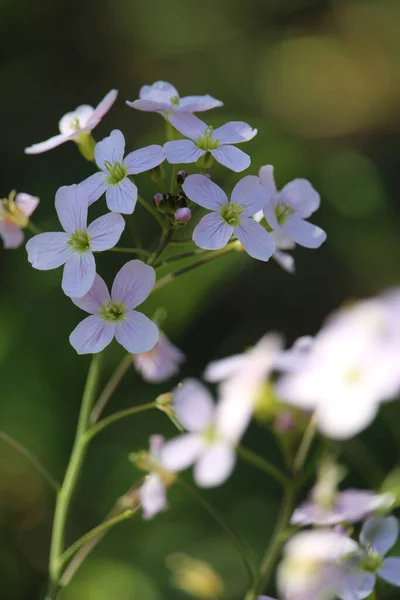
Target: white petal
215,465
193,405
103,107
80,116
152,496
96,297
234,132
121,198
111,149
249,192
150,106
11,235
356,585
197,103
160,91
212,233
181,452
266,175
72,208
390,571
256,240
344,418
182,151
381,533
92,335
133,283
49,144
136,333
232,158
204,192
304,233
144,159
94,187
219,370
300,194
284,260
48,250
104,232
79,274
189,125
26,203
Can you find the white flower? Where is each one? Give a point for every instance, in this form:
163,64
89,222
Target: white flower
152,494
160,363
282,242
14,217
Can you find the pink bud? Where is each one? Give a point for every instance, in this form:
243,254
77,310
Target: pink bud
183,215
157,199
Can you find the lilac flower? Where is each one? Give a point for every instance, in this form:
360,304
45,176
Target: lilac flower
287,210
121,192
282,242
75,124
152,494
378,536
14,217
113,316
230,218
209,445
75,246
160,363
162,97
206,140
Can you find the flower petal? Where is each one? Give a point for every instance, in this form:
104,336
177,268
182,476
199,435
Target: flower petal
304,233
72,208
160,91
96,297
198,103
49,144
356,585
181,452
390,571
285,260
79,274
189,125
133,283
256,240
136,333
266,175
219,370
251,193
11,235
103,107
381,533
92,335
342,420
111,149
234,132
232,158
121,198
300,194
48,250
94,187
204,192
105,232
182,151
193,405
144,159
149,105
215,465
212,233
26,203
152,496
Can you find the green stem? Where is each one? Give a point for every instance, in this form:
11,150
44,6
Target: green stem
261,463
173,183
33,228
110,388
31,458
165,239
74,466
150,209
121,414
139,251
177,257
305,444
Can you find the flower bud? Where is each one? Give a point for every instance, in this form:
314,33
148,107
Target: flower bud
183,215
158,199
181,176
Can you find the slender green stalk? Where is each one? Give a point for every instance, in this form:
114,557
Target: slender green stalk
305,444
261,463
181,241
110,388
121,414
31,458
71,476
138,251
33,228
177,257
173,183
150,209
133,230
164,241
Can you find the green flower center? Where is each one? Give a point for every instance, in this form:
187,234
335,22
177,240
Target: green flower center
174,100
283,211
210,435
9,211
372,561
75,124
231,213
113,312
79,241
353,376
116,172
207,142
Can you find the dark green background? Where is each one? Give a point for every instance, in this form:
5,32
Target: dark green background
321,82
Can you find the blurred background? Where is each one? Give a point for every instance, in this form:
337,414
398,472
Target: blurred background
321,81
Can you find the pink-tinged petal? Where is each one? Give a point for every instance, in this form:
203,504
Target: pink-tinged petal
215,465
249,192
218,370
94,187
48,250
285,260
11,235
121,198
181,452
79,274
300,194
92,335
380,532
103,107
80,116
104,232
189,125
204,192
152,496
149,105
133,283
26,203
256,240
96,297
234,132
49,144
390,571
197,103
159,91
266,175
212,233
161,363
136,333
193,405
232,158
304,233
72,208
182,151
156,442
144,159
110,150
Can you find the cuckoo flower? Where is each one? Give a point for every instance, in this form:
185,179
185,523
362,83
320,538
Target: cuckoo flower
204,140
230,217
160,363
287,210
162,97
114,316
282,243
152,494
75,124
209,445
75,246
113,178
14,217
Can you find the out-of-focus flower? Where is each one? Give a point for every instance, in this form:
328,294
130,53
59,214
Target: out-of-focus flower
230,217
14,217
160,363
75,246
378,536
204,140
210,443
113,178
162,97
287,210
195,577
312,567
78,123
282,242
114,316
